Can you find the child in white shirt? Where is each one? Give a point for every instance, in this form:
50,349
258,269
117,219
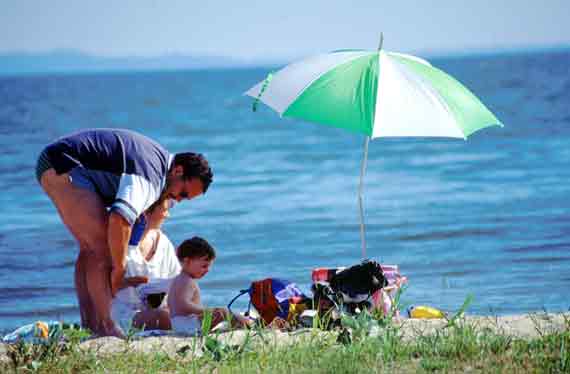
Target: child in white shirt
152,259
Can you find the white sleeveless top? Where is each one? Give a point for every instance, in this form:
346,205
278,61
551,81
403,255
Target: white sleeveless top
163,264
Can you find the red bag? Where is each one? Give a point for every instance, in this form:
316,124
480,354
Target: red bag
272,298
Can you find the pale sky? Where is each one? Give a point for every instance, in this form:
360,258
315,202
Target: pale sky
254,29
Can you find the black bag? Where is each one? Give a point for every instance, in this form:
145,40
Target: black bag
359,282
347,289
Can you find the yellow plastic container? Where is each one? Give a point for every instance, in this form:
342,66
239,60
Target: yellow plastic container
295,310
425,312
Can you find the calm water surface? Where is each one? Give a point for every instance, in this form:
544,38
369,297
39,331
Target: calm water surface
489,216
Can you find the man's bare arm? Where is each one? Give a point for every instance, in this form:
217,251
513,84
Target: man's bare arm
118,233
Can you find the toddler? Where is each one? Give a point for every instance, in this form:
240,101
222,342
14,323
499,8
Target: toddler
196,256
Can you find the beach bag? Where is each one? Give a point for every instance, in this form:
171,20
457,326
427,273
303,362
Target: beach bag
273,297
351,287
358,282
353,284
367,285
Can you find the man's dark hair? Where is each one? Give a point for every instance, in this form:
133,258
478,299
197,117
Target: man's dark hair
195,248
195,165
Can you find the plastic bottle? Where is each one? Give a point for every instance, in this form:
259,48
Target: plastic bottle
425,312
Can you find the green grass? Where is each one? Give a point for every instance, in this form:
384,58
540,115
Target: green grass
456,348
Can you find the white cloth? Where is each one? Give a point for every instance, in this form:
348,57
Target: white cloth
158,285
187,325
163,264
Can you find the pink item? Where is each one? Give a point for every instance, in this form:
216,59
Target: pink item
383,299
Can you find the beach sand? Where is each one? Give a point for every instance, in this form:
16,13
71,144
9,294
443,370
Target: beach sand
520,326
517,326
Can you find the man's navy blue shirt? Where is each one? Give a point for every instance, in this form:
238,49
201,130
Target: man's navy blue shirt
127,169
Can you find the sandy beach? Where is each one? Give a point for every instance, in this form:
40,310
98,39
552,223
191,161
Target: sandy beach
516,326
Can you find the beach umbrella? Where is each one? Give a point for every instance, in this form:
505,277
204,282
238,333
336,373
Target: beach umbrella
375,93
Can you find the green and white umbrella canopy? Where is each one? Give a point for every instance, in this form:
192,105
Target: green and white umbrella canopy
377,93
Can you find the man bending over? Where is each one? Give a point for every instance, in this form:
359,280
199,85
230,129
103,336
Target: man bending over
100,181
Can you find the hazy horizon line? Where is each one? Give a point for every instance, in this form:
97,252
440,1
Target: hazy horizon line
86,63
432,52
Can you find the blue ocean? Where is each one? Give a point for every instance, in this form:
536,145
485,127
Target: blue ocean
488,217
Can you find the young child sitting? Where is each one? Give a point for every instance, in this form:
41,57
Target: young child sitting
196,256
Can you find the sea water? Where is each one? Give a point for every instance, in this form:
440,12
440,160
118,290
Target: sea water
488,217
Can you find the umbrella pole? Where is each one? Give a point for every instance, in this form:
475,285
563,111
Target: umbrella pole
362,172
360,195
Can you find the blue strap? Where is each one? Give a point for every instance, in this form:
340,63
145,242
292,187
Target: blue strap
242,292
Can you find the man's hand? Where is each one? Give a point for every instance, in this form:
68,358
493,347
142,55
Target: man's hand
117,279
135,281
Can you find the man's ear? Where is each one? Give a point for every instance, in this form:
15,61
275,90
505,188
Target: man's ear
178,171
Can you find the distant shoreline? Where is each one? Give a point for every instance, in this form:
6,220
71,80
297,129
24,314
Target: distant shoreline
72,62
